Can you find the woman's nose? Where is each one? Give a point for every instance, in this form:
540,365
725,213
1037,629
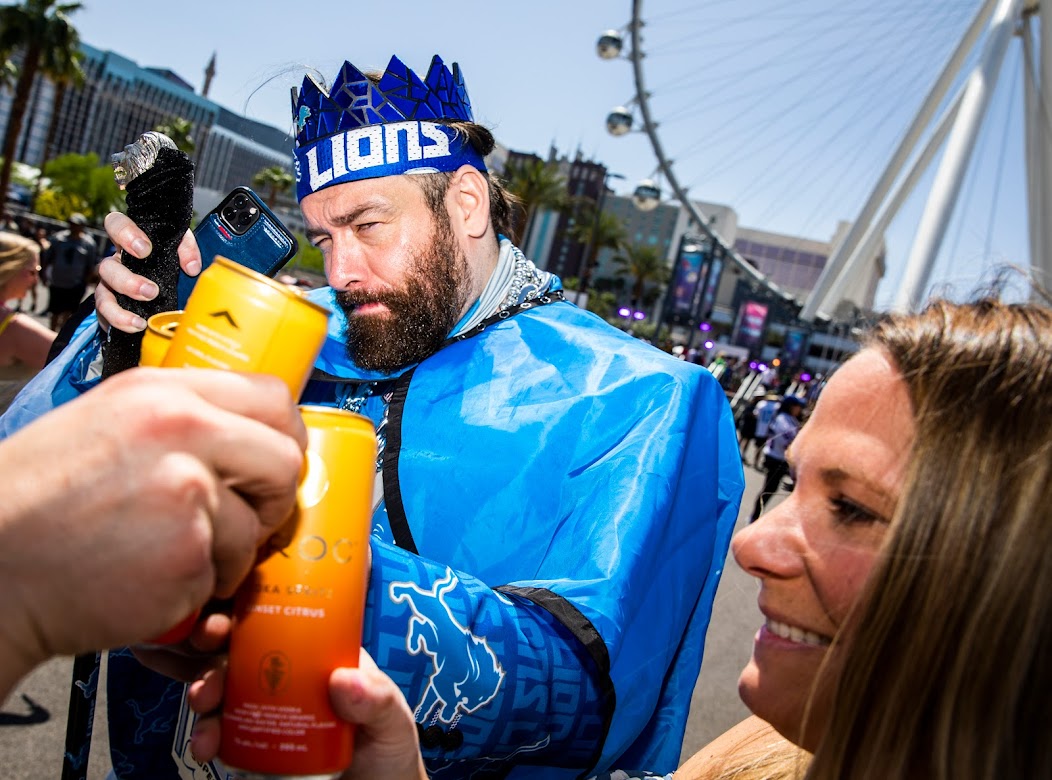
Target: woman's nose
771,546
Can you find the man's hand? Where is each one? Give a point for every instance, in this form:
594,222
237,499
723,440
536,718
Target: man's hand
385,744
128,508
114,277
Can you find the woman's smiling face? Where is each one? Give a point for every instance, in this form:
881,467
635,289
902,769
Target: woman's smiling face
813,552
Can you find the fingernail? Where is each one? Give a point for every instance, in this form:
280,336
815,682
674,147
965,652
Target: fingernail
148,290
193,268
140,247
138,323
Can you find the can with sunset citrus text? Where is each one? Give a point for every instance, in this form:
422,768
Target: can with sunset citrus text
299,614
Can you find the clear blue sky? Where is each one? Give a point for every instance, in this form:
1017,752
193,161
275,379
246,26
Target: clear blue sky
786,110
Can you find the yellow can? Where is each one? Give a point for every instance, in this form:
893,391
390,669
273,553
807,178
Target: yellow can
159,331
239,320
299,614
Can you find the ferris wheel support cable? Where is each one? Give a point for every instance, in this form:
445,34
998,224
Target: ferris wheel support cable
819,297
1035,190
875,233
666,168
959,146
1043,123
995,196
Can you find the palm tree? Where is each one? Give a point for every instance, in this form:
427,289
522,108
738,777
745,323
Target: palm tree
537,185
180,131
274,180
62,81
604,232
49,44
643,265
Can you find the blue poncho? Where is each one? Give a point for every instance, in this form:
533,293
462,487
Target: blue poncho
558,502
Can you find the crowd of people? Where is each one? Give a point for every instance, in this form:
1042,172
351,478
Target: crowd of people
566,495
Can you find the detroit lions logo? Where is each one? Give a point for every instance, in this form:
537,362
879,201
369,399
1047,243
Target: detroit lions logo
158,718
91,685
466,674
302,117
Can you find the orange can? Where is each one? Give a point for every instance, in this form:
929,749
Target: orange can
298,616
240,320
158,335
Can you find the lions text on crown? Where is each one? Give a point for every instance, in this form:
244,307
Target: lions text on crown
374,147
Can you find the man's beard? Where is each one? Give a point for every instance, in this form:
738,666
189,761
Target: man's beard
420,315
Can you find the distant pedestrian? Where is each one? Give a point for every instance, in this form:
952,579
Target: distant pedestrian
38,234
24,342
69,265
747,424
764,413
783,430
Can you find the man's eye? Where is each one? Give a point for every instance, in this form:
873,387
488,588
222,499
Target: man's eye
848,512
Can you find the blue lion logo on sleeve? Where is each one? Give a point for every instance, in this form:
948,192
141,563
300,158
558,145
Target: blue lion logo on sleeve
466,674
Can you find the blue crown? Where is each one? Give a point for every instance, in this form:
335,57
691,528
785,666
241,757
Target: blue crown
360,130
355,101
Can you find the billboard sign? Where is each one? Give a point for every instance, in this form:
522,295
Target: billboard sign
750,325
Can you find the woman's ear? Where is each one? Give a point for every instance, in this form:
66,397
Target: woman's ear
468,200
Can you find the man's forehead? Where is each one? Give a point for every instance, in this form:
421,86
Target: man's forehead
382,193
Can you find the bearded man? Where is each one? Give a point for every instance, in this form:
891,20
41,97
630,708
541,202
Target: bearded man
554,498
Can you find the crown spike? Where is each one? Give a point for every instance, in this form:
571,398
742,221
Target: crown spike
462,92
357,101
403,88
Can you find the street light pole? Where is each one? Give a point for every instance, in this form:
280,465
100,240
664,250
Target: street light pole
593,238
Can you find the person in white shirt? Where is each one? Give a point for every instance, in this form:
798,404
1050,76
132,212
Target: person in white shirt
783,430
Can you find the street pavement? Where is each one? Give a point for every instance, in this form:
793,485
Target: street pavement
33,719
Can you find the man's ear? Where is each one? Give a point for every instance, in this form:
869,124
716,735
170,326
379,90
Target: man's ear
468,200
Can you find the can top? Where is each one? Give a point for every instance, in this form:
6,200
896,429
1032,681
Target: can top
164,323
332,417
284,289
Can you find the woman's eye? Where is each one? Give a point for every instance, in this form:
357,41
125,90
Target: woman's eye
849,513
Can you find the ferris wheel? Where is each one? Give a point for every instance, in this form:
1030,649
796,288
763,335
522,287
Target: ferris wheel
810,111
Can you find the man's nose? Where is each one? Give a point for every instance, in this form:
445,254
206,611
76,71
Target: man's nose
347,266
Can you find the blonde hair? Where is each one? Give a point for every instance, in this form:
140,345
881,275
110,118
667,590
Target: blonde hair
949,665
15,252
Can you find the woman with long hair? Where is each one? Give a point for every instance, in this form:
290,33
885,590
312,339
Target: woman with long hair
904,582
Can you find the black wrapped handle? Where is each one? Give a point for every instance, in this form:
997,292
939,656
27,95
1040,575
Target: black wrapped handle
160,202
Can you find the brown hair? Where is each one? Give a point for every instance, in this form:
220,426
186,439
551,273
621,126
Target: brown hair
949,665
15,252
501,202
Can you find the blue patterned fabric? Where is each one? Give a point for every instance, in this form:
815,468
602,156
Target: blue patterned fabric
570,493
